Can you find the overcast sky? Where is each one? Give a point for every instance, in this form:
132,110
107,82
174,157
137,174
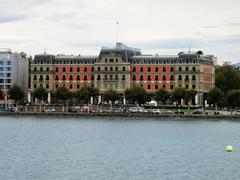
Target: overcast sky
154,26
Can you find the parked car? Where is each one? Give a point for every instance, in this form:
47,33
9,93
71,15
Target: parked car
167,112
51,110
179,112
11,109
236,113
156,111
198,112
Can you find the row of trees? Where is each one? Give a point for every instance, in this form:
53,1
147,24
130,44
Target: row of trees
227,90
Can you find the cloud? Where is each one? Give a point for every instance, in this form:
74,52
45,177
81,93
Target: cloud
233,24
210,27
12,18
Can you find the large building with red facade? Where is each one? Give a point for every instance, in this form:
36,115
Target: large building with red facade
120,68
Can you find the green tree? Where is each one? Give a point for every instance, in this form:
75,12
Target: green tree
111,95
63,94
41,93
216,96
84,94
227,78
16,93
136,95
190,94
178,94
162,95
233,98
1,95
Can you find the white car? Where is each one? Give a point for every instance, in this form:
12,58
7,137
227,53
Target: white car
156,111
51,110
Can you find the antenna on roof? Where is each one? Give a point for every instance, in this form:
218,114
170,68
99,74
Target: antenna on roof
117,31
45,51
189,48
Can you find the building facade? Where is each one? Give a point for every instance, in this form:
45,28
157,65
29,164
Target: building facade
13,70
120,68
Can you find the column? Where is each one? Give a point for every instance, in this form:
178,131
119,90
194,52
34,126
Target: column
196,100
49,98
91,100
29,97
124,99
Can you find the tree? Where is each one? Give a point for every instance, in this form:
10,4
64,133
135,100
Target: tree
233,98
84,94
16,93
111,95
63,94
136,95
1,95
162,95
41,93
190,94
216,96
227,78
200,52
178,94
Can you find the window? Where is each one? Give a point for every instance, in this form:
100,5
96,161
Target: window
47,86
111,68
47,69
156,78
41,78
9,74
172,78
134,69
156,86
186,78
106,68
116,60
63,78
85,77
149,69
194,86
141,77
56,86
64,69
35,86
111,77
56,69
9,68
116,68
78,86
164,78
187,68
124,68
149,78
187,86
171,87
180,77
111,60
164,69
92,69
56,78
149,86
116,77
141,69
180,69
134,78
9,62
35,77
41,69
71,86
92,77
78,77
71,78
172,69
85,69
105,77
35,69
156,69
164,86
106,60
123,77
47,77
99,69
193,68
71,69
194,78
98,77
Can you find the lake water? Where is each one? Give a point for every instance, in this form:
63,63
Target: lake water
34,148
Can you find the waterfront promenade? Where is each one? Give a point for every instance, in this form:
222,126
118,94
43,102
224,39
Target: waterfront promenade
126,115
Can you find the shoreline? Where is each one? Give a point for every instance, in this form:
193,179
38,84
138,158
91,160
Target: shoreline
127,115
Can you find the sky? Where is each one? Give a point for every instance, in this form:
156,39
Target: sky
163,27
